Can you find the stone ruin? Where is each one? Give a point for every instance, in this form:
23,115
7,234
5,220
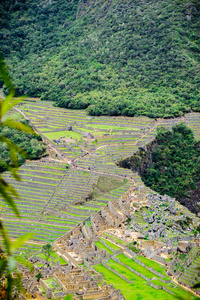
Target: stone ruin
78,247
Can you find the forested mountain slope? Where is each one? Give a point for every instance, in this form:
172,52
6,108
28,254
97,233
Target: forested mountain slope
131,57
170,165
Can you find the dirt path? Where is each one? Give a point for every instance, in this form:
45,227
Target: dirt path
59,153
28,242
21,112
152,128
106,173
33,221
185,287
129,144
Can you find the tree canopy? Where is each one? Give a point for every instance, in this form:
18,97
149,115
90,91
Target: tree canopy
170,164
31,144
116,57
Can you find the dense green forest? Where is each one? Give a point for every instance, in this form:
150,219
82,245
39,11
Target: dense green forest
170,164
129,57
32,145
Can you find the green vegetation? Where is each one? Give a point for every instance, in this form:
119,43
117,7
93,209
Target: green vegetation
114,238
170,164
33,145
8,282
67,134
108,183
133,248
152,264
111,127
132,264
143,55
47,250
102,247
68,297
25,262
139,289
113,246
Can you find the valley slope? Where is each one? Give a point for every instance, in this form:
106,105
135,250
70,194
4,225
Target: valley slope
115,57
79,188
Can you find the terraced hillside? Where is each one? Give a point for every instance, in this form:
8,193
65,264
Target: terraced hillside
50,193
116,136
49,198
191,274
53,197
139,281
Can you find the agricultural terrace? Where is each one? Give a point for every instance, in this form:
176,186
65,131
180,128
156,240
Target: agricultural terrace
113,134
115,137
139,277
52,198
191,274
77,180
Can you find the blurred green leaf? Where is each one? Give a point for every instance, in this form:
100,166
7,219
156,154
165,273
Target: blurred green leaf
12,264
21,241
13,149
8,199
6,240
18,125
3,264
6,103
4,76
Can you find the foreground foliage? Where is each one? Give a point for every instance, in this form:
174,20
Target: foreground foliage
170,164
33,146
8,282
116,57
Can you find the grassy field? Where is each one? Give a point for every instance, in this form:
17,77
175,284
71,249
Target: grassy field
113,246
139,290
108,127
103,247
114,238
67,134
107,183
152,264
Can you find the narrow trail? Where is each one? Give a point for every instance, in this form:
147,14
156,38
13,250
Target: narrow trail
22,113
59,153
87,152
144,135
35,222
105,173
129,144
28,242
51,197
185,287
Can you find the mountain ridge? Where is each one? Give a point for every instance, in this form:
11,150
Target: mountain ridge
112,57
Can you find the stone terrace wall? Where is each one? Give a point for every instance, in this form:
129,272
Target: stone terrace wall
116,273
150,269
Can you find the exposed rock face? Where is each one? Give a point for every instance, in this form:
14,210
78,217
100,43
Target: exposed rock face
164,217
193,205
183,246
